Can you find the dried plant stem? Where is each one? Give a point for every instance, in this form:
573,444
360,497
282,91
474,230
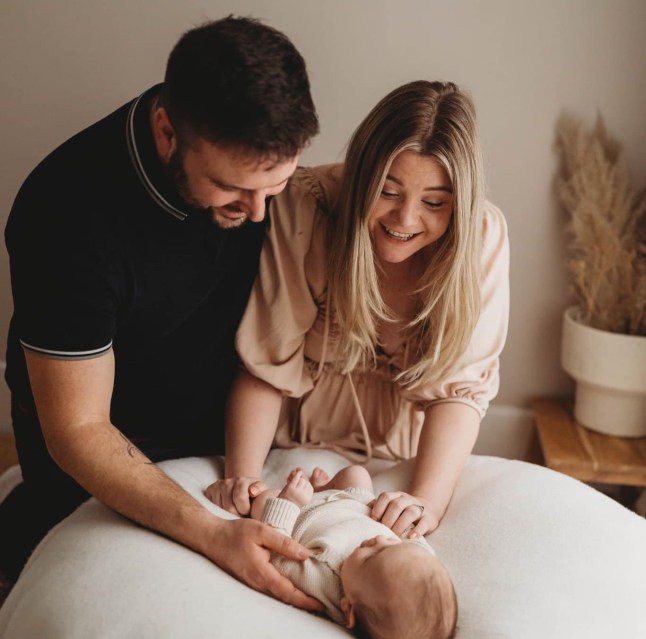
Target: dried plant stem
606,228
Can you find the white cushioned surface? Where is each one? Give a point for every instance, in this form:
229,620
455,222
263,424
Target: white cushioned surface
533,554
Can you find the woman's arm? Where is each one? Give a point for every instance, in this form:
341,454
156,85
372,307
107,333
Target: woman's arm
448,436
271,338
450,427
252,417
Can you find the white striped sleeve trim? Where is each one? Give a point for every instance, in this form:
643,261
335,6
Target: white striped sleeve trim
67,354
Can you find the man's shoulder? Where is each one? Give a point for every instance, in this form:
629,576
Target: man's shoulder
87,152
73,178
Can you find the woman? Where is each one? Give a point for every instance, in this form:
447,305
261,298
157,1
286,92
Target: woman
380,309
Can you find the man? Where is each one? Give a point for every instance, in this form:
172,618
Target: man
133,247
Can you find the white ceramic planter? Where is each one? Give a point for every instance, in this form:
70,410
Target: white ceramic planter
610,374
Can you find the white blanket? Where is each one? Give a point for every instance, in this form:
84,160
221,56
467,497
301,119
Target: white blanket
533,554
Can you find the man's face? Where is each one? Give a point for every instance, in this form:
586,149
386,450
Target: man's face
232,184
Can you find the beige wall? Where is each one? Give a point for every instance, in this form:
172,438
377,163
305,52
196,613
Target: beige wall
65,63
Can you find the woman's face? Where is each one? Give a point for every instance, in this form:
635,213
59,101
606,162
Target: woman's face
413,209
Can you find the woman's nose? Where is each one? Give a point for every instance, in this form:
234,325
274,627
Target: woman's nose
405,214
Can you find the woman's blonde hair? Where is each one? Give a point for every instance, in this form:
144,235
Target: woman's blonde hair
434,119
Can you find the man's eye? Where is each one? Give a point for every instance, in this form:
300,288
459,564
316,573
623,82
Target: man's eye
223,187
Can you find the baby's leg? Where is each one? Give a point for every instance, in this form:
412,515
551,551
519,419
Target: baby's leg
298,490
258,504
348,477
319,479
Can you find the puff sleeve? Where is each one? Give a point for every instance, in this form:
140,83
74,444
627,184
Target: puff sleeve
282,307
475,381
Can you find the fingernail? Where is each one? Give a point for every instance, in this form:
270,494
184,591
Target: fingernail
254,491
303,554
413,535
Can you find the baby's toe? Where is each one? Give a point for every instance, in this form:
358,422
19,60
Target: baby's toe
319,477
294,473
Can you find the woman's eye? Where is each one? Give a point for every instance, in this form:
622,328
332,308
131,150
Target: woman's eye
434,205
385,193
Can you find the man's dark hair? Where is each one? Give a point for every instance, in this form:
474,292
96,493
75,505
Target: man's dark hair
239,83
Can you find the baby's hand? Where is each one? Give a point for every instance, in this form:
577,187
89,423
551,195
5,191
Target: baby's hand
298,489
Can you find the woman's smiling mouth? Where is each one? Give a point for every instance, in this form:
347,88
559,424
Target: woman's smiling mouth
402,237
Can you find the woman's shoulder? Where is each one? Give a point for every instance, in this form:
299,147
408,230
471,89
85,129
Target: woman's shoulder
318,182
494,231
296,207
299,214
329,177
305,203
494,257
494,221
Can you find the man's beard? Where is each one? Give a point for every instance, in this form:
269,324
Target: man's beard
177,174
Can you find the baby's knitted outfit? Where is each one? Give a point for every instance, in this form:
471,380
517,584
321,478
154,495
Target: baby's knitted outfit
331,526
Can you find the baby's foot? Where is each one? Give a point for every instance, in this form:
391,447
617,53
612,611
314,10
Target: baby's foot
319,478
291,475
298,489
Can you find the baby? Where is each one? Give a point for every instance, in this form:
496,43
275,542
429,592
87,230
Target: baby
367,577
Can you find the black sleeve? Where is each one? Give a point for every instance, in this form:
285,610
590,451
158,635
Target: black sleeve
63,275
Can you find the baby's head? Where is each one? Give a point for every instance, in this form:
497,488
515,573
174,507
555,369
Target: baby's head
395,588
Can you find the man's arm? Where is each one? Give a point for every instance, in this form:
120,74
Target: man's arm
73,403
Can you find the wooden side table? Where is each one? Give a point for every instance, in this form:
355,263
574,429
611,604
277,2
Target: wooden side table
585,454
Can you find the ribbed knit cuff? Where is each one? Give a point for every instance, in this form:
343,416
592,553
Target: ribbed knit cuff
281,513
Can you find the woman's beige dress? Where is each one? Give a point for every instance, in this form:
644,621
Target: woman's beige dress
287,338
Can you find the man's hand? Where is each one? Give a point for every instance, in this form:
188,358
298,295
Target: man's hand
233,494
243,548
398,510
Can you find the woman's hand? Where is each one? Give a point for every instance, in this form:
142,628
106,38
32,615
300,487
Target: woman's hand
399,510
233,494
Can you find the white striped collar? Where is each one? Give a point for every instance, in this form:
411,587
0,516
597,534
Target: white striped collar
135,156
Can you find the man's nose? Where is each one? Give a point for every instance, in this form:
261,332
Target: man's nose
256,204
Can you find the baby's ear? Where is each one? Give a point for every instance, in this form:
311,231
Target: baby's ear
348,611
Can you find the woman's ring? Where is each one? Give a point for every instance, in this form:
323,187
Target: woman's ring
421,509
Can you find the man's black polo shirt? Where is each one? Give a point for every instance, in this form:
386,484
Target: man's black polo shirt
104,254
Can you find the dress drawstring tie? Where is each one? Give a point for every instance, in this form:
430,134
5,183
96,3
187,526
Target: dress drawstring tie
353,457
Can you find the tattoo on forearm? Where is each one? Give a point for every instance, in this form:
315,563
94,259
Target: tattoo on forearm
132,450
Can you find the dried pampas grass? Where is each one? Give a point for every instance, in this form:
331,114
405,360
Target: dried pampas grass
606,228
